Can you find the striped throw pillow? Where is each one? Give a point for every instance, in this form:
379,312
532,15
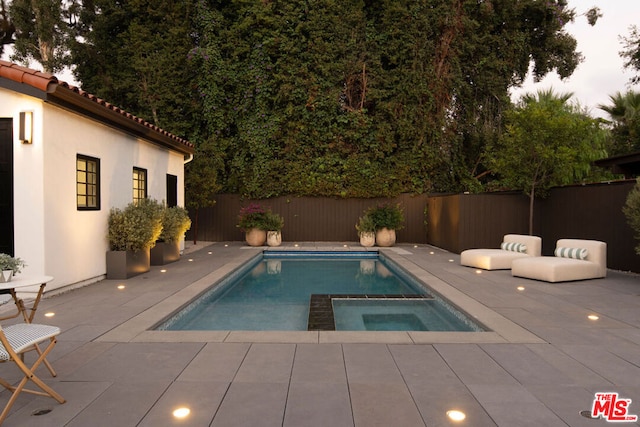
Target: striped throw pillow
513,246
575,253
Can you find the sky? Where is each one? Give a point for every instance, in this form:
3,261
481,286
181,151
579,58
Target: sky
602,73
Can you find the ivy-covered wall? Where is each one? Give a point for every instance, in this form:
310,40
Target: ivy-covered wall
364,98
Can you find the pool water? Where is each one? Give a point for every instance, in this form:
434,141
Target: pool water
395,315
357,291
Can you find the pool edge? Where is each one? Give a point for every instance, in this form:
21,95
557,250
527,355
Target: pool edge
138,328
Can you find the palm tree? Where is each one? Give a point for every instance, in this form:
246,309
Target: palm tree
545,97
624,112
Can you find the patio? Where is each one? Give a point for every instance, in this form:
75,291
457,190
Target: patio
541,365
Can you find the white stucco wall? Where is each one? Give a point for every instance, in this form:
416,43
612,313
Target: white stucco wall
51,234
28,178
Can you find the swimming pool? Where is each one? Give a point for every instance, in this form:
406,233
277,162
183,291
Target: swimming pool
314,290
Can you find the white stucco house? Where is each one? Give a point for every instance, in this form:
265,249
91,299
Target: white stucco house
66,158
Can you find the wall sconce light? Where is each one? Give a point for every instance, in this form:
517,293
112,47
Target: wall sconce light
26,127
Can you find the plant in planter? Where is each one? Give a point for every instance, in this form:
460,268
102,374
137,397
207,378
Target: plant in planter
388,218
10,266
132,231
175,222
273,223
251,221
366,230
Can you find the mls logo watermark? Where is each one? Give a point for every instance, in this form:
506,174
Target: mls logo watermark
612,408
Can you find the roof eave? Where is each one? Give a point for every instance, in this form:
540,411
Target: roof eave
113,116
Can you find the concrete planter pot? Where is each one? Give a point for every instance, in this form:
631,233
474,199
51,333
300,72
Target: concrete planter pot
256,237
385,237
126,264
5,276
165,252
274,238
367,239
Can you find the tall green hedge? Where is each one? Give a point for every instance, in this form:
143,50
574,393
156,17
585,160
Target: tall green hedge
345,98
363,99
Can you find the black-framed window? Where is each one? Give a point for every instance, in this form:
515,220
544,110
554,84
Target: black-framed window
172,190
139,184
87,182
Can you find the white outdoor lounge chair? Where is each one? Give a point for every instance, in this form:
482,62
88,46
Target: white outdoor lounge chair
574,259
15,340
514,246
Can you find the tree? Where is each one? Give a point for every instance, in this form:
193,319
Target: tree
201,182
631,52
7,28
547,142
41,32
624,112
134,54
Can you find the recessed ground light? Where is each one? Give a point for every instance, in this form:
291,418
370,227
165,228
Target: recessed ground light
209,252
520,288
49,314
344,246
431,253
190,260
415,246
163,271
587,414
181,412
296,245
226,246
450,260
121,286
593,317
455,415
478,271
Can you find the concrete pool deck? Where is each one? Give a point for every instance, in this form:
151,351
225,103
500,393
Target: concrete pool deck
541,364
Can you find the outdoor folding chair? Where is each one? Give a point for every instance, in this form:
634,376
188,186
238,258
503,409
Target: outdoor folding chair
15,340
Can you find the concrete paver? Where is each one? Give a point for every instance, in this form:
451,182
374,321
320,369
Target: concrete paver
540,366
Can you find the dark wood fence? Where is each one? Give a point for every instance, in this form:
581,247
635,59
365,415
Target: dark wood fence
464,221
309,219
454,222
591,212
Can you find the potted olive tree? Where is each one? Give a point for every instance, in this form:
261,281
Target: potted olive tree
366,231
132,232
9,266
175,222
387,219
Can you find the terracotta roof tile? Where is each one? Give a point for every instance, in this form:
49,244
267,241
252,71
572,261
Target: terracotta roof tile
19,74
49,83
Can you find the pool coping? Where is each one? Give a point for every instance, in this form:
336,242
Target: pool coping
502,330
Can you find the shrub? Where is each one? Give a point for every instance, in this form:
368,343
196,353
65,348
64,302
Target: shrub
631,210
386,215
136,227
272,221
365,225
7,262
175,222
255,216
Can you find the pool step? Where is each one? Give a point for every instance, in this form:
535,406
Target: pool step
321,308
